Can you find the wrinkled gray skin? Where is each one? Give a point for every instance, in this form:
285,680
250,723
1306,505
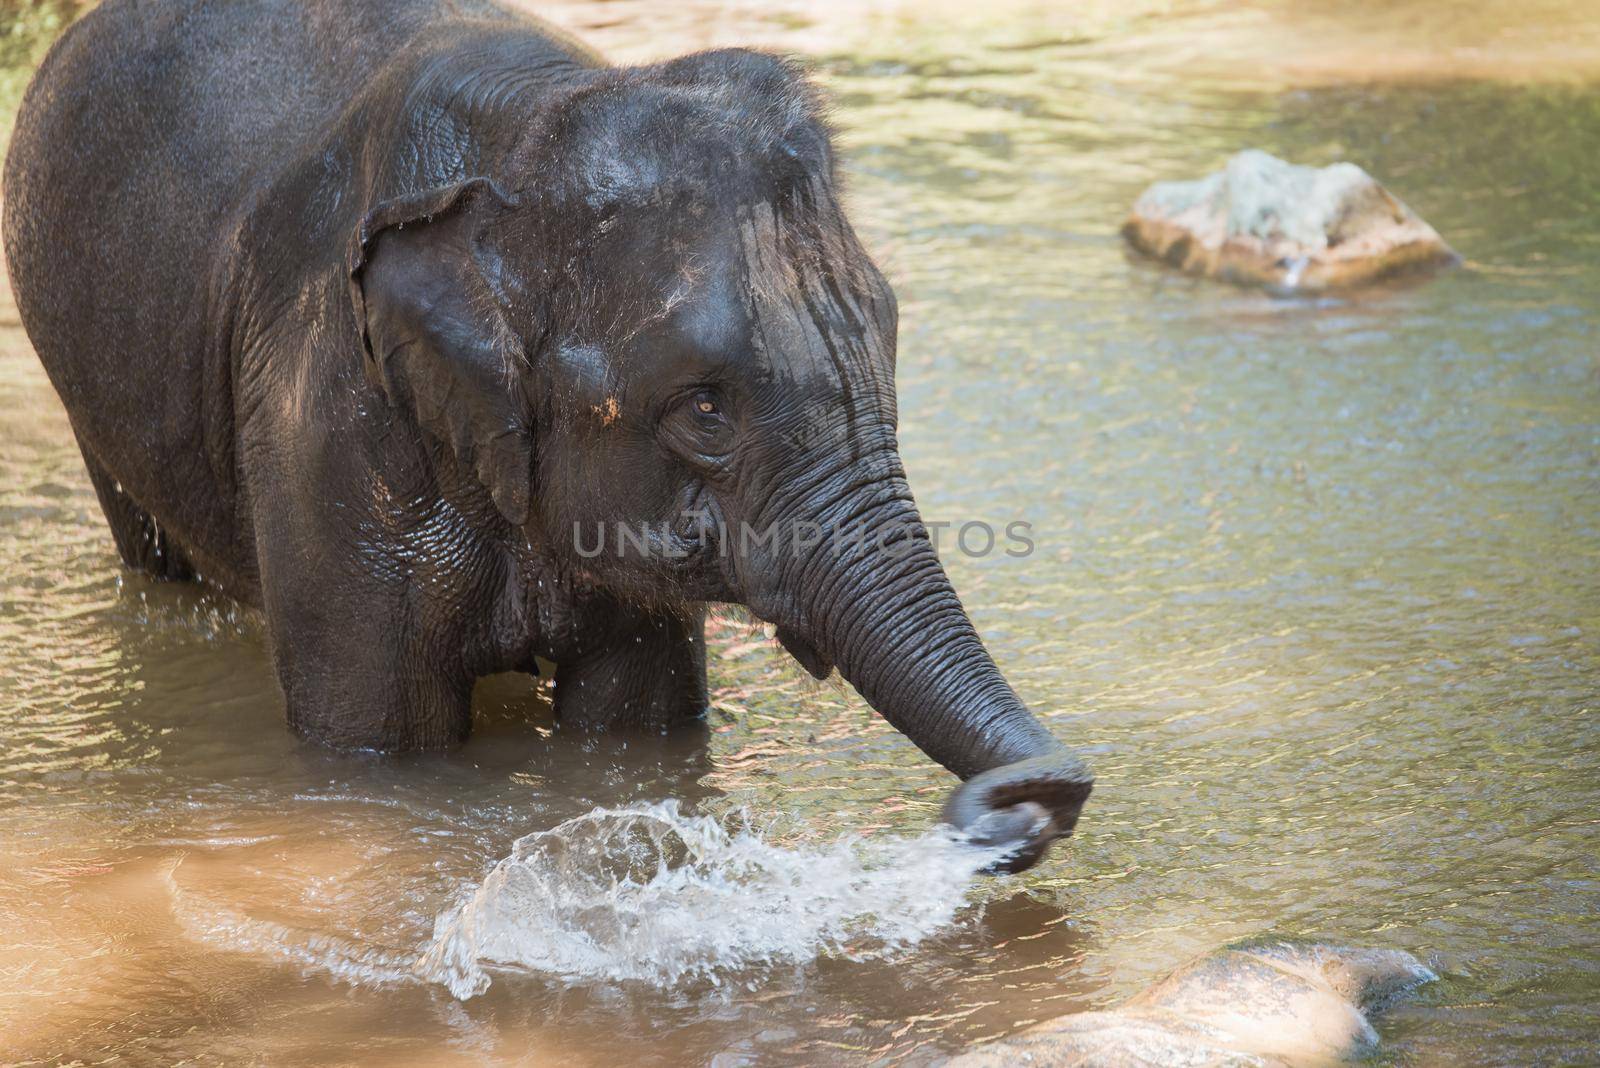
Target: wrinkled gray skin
358,308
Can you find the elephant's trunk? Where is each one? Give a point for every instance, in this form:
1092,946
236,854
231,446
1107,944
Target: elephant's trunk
881,608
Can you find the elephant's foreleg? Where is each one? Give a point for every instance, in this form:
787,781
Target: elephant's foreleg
366,660
646,670
366,679
141,542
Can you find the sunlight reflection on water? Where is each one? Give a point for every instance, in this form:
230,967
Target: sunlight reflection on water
1314,589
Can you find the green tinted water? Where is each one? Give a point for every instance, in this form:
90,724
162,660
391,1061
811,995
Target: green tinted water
1316,588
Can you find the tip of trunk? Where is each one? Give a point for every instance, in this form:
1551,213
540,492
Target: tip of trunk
1022,806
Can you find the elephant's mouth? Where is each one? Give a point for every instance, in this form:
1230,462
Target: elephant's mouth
692,570
696,563
807,655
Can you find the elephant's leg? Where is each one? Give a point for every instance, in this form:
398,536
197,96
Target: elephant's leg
357,675
648,670
366,659
143,545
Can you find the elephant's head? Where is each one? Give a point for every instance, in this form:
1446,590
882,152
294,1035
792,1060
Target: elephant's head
658,315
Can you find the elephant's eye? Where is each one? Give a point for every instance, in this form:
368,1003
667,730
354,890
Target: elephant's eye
707,408
700,425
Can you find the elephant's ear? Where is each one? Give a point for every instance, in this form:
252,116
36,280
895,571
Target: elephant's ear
422,280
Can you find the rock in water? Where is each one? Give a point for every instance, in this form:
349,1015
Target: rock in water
1261,221
1262,1004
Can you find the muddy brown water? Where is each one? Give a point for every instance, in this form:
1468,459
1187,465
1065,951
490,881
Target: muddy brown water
1316,587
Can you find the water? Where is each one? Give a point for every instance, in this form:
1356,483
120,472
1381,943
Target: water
1316,587
647,894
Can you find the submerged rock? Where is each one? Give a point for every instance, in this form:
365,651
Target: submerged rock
1262,221
1265,1004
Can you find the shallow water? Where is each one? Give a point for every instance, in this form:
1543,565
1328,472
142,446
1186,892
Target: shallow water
1316,588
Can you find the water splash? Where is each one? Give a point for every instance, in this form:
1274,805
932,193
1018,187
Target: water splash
647,893
1297,270
212,923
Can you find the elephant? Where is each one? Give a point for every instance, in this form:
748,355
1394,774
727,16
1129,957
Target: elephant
362,309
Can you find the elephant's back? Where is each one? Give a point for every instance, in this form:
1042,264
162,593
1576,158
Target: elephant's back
151,123
148,131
